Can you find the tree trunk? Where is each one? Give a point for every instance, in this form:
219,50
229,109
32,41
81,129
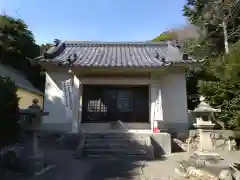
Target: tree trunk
225,37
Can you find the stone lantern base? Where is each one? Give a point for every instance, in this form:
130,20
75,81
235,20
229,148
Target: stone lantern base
36,166
205,139
34,163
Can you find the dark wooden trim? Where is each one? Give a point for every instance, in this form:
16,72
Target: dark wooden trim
111,75
128,125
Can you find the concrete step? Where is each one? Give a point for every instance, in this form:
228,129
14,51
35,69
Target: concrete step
114,145
118,141
116,136
115,151
117,145
117,157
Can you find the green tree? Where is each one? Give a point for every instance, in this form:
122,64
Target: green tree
17,45
166,36
224,91
218,18
219,75
16,38
9,127
44,48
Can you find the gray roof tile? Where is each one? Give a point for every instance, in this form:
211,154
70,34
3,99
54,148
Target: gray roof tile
116,54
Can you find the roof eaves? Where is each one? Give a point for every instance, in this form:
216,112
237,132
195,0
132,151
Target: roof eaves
187,63
172,63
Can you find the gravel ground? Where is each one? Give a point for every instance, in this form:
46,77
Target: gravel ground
66,167
69,168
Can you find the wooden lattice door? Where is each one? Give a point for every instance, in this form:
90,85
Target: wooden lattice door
112,103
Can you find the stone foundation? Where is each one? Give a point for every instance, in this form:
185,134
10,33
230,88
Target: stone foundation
222,140
174,128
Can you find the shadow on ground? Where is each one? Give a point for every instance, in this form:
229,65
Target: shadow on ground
122,156
116,170
60,151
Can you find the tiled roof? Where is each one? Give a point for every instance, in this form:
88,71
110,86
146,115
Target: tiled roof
19,78
116,54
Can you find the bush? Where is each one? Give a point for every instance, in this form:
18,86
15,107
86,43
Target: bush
9,112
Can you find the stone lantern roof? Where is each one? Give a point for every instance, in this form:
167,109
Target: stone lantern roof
204,107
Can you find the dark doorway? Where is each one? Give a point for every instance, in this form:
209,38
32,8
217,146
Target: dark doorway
102,103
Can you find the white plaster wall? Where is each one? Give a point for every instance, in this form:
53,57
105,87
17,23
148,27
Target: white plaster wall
59,119
57,77
167,95
167,99
174,101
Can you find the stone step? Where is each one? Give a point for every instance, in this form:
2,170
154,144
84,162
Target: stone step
114,145
118,141
116,136
115,151
117,157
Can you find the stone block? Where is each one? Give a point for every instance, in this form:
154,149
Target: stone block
237,134
70,141
176,129
200,174
193,133
221,139
205,140
161,143
235,169
179,146
79,149
225,175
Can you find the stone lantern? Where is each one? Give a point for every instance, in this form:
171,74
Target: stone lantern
203,114
33,156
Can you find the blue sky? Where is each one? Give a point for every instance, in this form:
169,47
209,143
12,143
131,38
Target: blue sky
98,20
